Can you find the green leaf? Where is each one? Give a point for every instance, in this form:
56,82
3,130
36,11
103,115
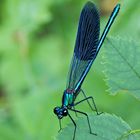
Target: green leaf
107,127
122,65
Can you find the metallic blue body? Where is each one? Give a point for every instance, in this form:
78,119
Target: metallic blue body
68,99
86,49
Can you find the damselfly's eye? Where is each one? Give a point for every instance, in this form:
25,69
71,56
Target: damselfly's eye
65,112
56,110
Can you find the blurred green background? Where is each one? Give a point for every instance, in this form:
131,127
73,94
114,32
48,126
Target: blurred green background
37,38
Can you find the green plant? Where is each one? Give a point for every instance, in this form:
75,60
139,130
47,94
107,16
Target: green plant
36,45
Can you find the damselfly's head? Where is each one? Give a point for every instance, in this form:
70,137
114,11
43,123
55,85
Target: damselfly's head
60,112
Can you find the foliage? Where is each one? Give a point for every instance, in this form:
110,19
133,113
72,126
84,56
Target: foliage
122,65
107,127
36,39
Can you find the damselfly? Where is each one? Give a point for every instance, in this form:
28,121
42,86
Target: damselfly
86,49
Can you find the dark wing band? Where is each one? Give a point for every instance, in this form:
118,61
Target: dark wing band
86,43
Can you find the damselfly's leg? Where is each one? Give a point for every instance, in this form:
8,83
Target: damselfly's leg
87,99
60,126
87,119
75,112
89,102
74,126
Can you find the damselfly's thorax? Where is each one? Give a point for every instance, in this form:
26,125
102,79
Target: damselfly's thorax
68,97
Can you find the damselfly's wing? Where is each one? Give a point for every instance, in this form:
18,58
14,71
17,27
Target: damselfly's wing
86,44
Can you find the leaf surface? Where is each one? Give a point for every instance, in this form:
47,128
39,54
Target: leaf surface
107,127
122,65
